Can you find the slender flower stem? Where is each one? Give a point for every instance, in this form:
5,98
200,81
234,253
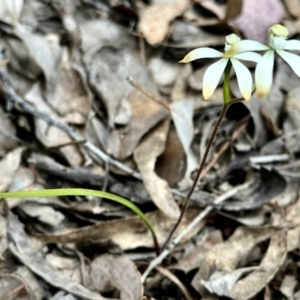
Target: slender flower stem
227,103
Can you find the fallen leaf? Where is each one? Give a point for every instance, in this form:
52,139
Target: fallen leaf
110,272
155,19
249,286
221,283
127,233
21,247
145,156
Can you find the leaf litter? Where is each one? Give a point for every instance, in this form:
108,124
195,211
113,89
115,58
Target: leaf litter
70,118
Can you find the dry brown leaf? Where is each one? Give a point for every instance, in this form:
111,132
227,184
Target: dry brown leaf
256,18
171,165
145,156
127,233
112,272
293,7
8,166
155,19
288,285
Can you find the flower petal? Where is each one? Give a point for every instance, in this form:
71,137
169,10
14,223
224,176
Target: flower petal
201,53
291,59
250,56
212,77
292,45
244,78
244,46
264,74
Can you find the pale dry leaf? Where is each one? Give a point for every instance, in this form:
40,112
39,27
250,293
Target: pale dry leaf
111,272
249,286
45,214
155,19
228,255
293,7
182,113
256,18
293,239
288,285
145,156
221,283
10,11
8,166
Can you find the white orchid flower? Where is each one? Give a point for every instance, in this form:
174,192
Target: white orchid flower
277,43
235,49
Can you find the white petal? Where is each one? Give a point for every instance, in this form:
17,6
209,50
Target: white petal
264,74
292,45
244,78
292,60
212,77
244,46
250,56
201,53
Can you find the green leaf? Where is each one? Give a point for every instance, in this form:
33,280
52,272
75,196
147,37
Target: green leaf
85,192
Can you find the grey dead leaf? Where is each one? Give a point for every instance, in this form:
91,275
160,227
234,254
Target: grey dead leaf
51,136
8,166
261,15
69,93
260,190
221,283
155,19
187,35
182,114
127,233
110,272
44,214
145,156
233,252
122,142
45,53
21,247
253,283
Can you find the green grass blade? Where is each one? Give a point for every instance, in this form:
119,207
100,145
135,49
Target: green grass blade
85,192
